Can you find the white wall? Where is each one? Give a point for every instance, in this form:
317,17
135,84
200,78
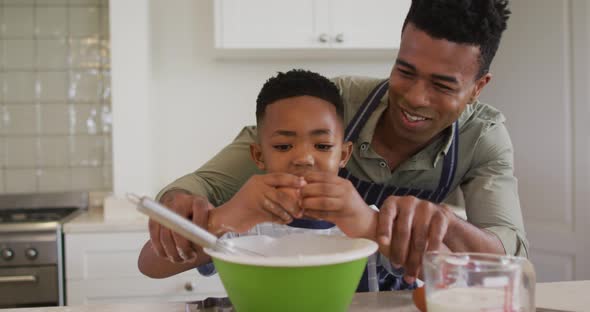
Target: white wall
133,152
542,85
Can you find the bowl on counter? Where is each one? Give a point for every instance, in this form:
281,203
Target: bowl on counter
300,272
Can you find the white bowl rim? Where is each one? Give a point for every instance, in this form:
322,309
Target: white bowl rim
364,249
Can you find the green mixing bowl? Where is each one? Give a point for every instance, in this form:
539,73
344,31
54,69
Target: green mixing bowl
301,272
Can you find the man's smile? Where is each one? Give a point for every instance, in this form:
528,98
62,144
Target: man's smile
414,117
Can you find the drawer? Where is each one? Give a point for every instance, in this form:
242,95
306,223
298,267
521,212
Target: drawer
28,285
188,286
102,268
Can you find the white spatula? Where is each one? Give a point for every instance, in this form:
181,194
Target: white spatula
184,227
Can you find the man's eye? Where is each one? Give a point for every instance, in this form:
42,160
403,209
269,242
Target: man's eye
405,73
324,147
282,147
443,87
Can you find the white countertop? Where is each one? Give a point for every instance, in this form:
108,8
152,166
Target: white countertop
378,302
567,296
94,221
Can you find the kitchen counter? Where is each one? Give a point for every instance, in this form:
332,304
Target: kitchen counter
95,221
570,296
384,301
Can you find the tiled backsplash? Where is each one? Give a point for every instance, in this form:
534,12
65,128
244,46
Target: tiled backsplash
55,100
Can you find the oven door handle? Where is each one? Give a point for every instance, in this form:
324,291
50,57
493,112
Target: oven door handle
18,279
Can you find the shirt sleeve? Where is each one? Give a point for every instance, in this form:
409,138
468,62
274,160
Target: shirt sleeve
490,191
207,269
223,175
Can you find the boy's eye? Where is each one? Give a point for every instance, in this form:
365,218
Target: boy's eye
282,147
324,147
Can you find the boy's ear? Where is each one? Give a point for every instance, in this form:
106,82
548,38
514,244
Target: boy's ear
345,154
256,154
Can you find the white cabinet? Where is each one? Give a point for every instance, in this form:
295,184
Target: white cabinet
102,268
266,24
368,23
309,24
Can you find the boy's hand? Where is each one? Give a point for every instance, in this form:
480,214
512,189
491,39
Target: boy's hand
260,199
332,198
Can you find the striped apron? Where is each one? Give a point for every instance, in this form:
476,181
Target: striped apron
378,275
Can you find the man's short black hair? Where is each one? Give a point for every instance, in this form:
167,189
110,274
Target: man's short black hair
474,22
297,82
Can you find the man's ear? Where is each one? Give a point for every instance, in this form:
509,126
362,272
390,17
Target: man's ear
256,154
345,153
479,85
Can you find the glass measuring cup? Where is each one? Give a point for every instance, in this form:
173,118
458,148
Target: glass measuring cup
478,282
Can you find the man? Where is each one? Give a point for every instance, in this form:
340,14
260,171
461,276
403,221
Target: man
417,137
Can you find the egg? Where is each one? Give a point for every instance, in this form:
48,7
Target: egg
293,193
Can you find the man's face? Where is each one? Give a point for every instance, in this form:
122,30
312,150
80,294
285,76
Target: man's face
300,135
430,84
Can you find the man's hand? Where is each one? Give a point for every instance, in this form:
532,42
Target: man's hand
170,245
408,227
332,198
263,198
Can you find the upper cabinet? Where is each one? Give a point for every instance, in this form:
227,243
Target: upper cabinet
366,24
309,24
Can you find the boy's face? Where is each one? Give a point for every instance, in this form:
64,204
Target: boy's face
300,135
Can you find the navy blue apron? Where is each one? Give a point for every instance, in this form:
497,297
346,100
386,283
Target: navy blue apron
375,194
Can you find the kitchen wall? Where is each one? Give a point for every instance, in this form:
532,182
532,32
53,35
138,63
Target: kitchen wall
55,115
542,84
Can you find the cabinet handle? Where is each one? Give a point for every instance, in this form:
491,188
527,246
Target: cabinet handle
18,279
323,38
339,38
188,286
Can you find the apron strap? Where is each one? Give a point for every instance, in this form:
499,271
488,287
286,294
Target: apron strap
360,118
449,167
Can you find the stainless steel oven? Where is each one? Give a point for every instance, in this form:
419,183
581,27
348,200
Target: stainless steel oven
31,247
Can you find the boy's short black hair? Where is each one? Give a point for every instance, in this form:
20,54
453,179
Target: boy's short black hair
474,22
297,82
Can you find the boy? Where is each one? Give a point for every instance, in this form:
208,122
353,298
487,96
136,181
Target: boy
300,144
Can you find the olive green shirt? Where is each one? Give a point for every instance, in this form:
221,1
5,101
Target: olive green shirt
484,175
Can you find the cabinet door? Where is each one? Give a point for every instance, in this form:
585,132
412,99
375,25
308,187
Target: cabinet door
102,268
369,24
267,24
184,287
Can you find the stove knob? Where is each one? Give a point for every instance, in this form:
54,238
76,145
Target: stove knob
31,253
7,254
